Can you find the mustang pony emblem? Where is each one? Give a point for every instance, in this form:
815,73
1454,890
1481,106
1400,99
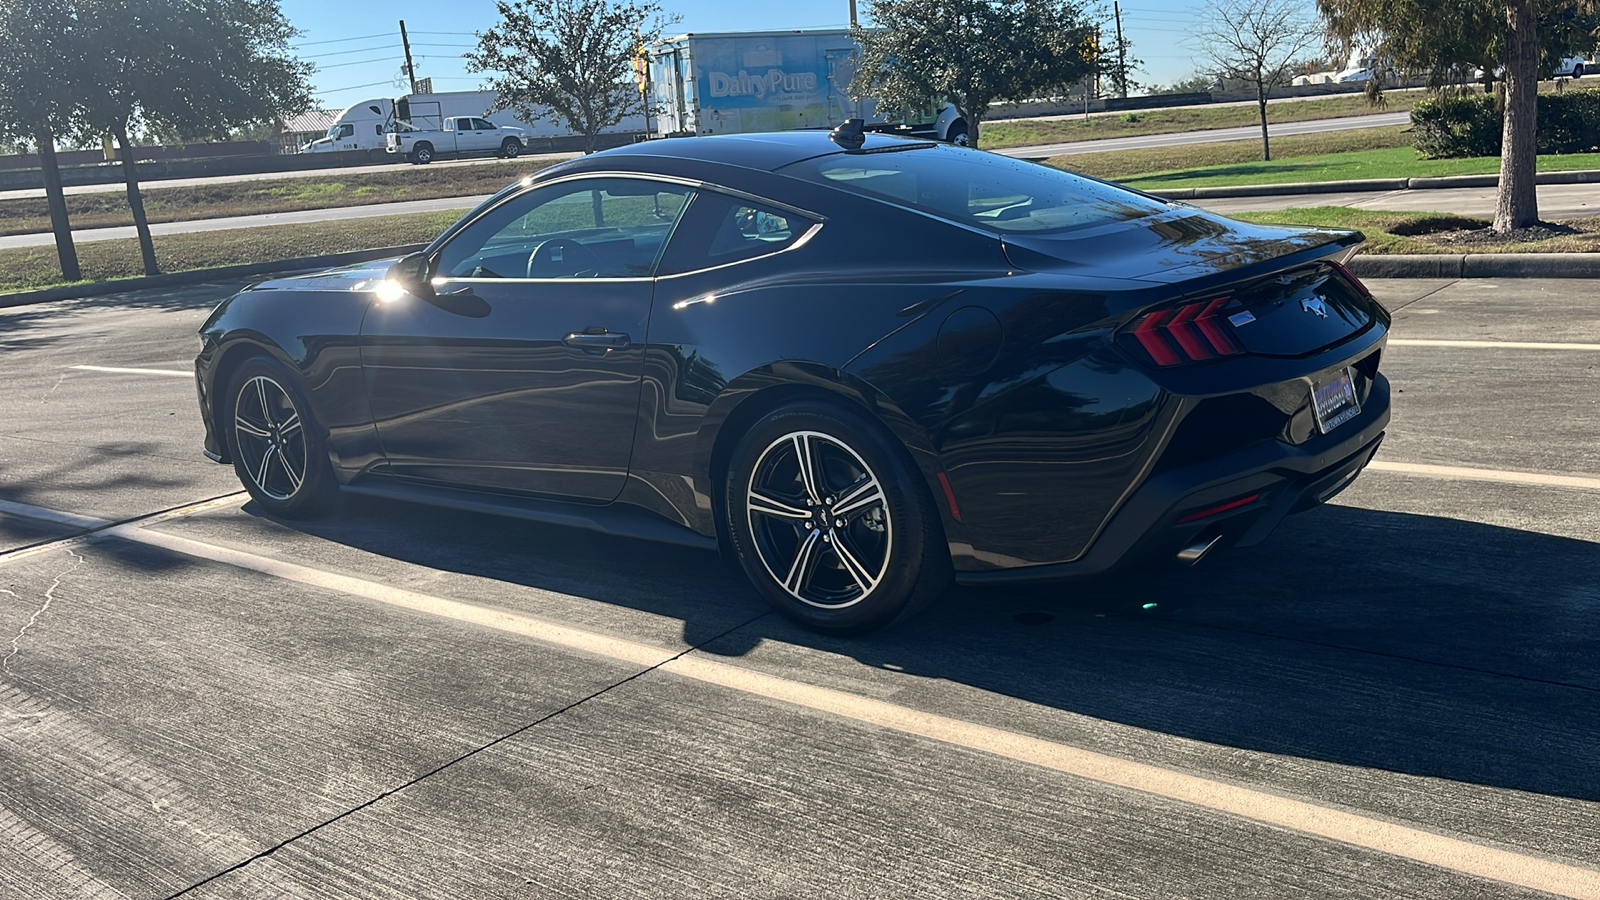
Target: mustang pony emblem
1315,305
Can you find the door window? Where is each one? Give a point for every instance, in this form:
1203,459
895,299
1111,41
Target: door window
589,228
723,229
463,124
483,125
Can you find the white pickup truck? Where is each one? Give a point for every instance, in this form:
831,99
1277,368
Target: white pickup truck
459,136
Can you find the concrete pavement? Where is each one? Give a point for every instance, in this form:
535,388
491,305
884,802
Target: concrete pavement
404,702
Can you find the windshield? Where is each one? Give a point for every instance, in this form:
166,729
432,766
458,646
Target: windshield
985,190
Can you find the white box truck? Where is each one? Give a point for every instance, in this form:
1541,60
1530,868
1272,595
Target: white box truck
749,81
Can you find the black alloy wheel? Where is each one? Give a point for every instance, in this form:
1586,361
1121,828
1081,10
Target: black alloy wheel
830,523
277,448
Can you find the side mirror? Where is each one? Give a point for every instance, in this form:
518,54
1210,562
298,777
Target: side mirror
413,273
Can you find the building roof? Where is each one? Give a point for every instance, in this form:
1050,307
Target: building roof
317,120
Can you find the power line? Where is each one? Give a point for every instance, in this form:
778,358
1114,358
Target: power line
347,52
367,37
352,87
359,62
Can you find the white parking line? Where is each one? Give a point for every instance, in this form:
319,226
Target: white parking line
122,371
1491,345
1375,834
53,516
1499,475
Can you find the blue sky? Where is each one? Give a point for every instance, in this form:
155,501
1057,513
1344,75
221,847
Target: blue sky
356,43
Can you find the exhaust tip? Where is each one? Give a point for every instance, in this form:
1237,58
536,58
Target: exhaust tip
1194,552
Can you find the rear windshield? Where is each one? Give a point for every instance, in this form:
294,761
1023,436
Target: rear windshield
973,187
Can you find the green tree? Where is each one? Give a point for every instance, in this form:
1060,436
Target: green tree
1260,42
1442,37
38,53
974,53
568,61
191,67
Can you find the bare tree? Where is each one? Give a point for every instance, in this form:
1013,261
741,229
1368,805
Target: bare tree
1259,42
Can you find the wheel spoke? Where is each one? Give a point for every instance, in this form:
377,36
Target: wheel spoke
867,494
266,408
772,506
289,426
295,478
805,559
260,475
248,427
862,577
808,472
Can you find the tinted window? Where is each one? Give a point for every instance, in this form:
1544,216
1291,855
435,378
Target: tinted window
463,124
483,125
721,229
591,228
982,189
346,130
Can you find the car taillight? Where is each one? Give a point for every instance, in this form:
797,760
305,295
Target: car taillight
1193,332
1351,277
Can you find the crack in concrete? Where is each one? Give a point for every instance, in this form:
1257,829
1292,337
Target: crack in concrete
49,598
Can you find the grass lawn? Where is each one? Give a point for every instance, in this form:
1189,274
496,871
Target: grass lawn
1130,165
1002,133
1390,231
1394,162
244,198
37,267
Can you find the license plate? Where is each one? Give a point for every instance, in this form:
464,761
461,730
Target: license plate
1334,401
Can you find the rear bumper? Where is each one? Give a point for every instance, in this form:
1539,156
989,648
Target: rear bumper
1284,479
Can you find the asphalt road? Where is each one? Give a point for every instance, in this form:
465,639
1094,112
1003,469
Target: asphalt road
1396,696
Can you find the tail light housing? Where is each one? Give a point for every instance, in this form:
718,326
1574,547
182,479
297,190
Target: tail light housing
1193,332
1350,276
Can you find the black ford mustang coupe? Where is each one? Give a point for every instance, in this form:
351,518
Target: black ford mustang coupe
861,365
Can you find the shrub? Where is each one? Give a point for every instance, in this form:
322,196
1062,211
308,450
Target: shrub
1451,126
1130,118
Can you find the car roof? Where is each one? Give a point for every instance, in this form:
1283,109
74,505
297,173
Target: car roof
767,152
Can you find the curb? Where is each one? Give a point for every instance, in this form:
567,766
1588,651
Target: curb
1580,176
1477,265
196,276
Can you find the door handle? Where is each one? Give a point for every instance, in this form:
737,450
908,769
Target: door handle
597,341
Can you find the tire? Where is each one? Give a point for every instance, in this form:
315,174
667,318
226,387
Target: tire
422,154
957,134
279,450
510,148
885,562
1577,71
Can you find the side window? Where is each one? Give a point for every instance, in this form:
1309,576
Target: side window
377,130
346,130
588,228
463,124
483,125
723,229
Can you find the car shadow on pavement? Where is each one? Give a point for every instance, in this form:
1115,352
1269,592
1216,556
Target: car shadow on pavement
1414,644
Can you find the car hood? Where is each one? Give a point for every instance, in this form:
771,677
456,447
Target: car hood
1168,247
358,277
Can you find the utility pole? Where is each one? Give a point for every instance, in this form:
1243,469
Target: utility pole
411,71
852,14
1122,53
